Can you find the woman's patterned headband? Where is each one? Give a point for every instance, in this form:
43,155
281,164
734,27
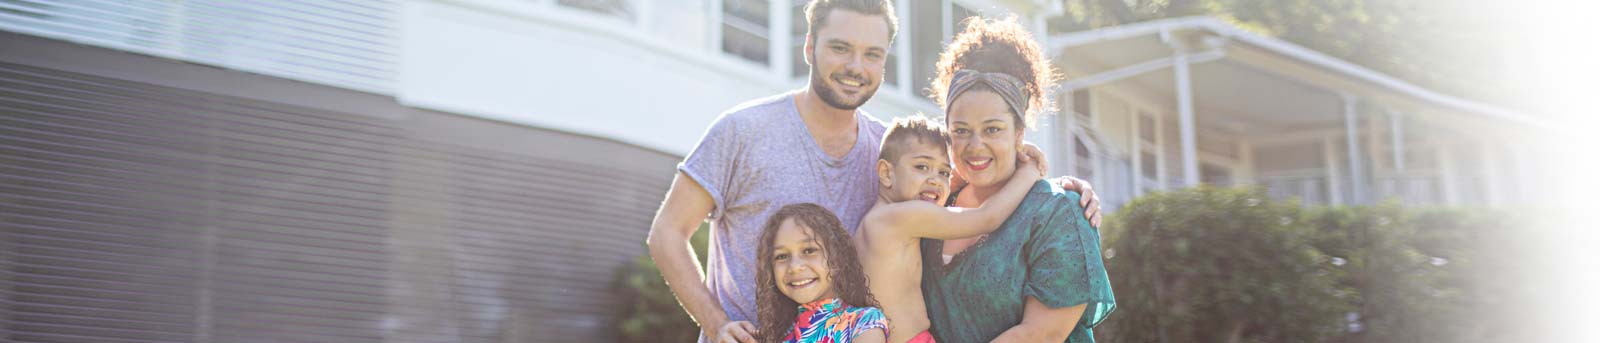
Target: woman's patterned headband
1009,87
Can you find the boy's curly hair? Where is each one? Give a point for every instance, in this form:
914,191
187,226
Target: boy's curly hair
775,311
998,46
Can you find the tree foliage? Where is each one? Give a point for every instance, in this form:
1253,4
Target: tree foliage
649,310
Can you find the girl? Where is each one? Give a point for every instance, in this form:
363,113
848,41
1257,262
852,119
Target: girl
810,286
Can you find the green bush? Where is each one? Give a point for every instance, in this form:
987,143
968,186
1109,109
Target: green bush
649,311
1229,265
1394,280
1218,265
1422,275
1482,262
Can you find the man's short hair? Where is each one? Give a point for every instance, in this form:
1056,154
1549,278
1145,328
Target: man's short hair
916,129
818,10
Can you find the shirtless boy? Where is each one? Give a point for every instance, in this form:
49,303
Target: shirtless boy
913,182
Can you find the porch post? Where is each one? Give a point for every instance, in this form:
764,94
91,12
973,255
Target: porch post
1136,158
1247,163
1488,161
1357,174
1397,142
1191,168
1068,141
1447,175
1330,165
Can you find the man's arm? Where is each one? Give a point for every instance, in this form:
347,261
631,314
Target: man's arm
1041,323
1090,201
687,205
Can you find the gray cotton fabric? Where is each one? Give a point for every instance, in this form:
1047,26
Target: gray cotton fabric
758,157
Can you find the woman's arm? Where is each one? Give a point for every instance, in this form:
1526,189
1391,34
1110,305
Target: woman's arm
1066,287
1041,323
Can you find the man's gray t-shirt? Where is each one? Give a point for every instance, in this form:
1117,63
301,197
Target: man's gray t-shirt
758,157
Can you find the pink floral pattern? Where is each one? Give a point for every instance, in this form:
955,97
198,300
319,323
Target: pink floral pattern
831,321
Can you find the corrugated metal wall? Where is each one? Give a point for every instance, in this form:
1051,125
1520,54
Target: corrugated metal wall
138,212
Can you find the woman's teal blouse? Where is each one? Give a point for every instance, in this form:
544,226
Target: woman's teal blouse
1046,250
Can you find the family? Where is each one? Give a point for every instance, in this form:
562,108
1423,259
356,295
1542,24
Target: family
831,226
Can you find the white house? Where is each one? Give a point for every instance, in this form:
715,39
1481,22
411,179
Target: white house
370,170
477,170
648,72
1167,104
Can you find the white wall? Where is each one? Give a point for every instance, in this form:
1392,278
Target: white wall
540,65
340,43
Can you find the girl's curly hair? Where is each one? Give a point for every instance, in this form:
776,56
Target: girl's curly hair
998,46
775,311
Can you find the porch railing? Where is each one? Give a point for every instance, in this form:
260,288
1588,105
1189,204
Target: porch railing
1409,189
1309,188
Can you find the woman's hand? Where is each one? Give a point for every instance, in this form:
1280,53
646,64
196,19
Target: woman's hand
737,332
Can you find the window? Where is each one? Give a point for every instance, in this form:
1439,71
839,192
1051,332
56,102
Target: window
684,23
958,15
349,46
1215,174
927,39
1080,103
744,29
797,46
891,64
1085,160
1147,127
929,33
1147,165
618,8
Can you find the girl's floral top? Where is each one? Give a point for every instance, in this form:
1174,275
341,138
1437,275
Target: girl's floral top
831,321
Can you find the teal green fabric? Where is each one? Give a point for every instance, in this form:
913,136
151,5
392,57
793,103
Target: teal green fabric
1046,250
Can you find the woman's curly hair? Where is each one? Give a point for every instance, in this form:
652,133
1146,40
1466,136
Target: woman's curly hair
998,46
775,311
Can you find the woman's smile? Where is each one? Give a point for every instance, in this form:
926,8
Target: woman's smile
979,163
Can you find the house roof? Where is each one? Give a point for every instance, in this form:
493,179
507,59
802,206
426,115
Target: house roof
1138,42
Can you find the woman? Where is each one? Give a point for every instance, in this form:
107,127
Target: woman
1039,277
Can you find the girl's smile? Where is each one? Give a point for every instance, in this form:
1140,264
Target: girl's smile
799,264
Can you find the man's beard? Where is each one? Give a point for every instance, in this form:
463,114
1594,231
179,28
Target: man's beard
832,97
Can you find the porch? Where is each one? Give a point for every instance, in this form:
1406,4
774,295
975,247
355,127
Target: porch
1177,103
